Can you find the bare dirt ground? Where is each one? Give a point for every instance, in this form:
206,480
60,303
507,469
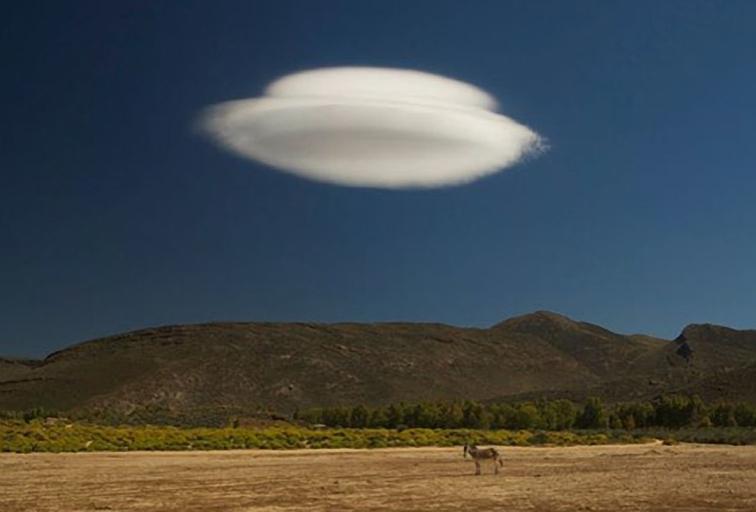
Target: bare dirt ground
605,478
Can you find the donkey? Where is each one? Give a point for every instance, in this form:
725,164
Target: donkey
479,454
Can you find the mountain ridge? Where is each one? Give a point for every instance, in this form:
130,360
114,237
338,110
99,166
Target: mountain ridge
288,366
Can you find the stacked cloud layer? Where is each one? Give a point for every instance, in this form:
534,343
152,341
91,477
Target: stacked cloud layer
373,127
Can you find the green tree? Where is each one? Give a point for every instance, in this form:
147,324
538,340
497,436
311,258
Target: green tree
593,415
745,415
336,416
452,416
428,415
723,415
527,416
475,416
395,415
556,414
378,418
359,417
615,422
677,411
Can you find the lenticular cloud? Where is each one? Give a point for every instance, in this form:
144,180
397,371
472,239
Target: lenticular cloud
373,127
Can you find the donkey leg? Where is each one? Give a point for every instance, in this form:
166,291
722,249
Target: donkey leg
477,467
496,466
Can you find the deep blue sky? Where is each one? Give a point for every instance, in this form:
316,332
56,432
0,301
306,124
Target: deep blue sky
115,214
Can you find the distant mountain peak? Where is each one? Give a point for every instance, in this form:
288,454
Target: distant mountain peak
539,318
692,331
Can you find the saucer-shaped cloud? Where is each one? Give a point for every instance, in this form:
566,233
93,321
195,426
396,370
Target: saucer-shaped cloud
373,127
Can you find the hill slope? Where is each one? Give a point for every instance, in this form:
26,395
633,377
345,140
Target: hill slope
283,367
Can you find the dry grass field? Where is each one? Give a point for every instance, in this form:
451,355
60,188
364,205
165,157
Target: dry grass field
607,478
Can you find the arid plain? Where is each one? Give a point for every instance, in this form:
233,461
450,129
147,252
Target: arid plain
618,478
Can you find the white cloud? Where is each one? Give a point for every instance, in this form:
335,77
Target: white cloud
373,127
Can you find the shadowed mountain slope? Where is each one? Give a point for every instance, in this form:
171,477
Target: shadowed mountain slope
283,367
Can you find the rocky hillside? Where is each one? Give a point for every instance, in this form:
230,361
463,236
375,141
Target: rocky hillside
282,367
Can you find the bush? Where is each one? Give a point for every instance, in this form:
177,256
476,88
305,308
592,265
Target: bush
35,436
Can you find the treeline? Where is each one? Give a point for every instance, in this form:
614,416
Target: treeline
667,412
672,411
